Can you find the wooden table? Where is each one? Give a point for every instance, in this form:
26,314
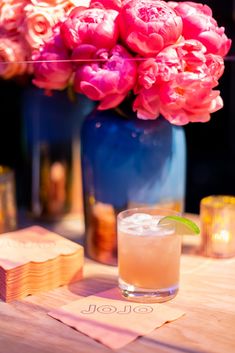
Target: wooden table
207,295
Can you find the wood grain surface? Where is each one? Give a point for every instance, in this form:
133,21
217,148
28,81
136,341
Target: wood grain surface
207,295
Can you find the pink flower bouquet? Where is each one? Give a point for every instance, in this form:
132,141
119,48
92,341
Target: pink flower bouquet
168,56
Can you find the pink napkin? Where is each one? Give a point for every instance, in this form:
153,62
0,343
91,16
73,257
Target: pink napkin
112,320
34,259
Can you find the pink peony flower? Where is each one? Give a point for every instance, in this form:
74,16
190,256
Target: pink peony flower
179,84
12,57
53,69
107,4
199,24
148,26
39,22
90,26
108,80
147,104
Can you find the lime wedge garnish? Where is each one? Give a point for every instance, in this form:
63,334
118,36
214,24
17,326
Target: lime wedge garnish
184,226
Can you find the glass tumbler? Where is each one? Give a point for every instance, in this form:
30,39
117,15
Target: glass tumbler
217,215
148,255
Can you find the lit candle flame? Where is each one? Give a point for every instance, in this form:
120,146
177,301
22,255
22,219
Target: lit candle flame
223,236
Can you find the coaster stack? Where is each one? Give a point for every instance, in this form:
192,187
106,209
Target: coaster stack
34,260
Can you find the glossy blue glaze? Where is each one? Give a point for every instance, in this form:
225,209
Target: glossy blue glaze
131,161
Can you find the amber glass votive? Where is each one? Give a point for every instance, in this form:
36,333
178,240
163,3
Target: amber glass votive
217,216
7,200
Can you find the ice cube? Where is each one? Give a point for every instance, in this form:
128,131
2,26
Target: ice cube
138,218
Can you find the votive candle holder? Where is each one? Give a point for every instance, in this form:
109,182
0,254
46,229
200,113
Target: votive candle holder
217,216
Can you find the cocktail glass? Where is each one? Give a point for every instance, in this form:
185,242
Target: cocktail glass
148,255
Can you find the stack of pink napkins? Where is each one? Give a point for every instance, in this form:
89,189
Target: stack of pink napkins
34,260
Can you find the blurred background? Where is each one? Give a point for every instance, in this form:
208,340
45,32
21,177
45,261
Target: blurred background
210,146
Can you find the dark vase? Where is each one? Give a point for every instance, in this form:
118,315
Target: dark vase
127,163
52,152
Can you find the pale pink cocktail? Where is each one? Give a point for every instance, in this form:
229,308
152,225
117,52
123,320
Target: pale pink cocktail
148,255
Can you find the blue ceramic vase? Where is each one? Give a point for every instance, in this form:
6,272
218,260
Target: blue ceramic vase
126,163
